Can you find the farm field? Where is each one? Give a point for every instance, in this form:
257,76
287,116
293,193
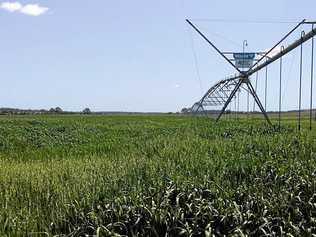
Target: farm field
155,175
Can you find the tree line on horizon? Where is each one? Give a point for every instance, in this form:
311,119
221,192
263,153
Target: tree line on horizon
57,110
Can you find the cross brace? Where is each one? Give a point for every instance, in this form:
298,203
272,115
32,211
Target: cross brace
244,80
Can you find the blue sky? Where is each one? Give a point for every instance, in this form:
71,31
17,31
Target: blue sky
135,55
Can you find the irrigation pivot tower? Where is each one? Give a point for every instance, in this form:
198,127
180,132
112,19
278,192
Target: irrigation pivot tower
222,93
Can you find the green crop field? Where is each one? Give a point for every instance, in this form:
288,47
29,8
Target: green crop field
155,176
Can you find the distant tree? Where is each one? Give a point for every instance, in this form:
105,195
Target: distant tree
43,111
52,110
86,111
184,110
58,110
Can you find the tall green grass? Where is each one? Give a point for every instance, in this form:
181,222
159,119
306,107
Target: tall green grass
155,175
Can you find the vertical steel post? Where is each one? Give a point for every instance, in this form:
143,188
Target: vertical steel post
312,77
235,107
266,90
300,87
245,43
248,105
238,102
256,87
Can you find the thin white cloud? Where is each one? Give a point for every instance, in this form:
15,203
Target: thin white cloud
28,9
34,10
11,6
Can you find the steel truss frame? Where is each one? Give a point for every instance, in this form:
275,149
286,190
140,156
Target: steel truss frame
225,90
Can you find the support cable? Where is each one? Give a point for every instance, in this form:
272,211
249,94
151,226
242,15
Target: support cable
196,61
222,37
269,51
213,46
248,21
288,49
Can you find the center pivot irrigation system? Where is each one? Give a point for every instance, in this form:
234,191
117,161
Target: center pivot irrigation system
222,93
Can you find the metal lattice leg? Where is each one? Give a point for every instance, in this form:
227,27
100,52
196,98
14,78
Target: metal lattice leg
231,96
254,94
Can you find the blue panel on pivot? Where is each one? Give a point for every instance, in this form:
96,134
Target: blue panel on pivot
246,56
